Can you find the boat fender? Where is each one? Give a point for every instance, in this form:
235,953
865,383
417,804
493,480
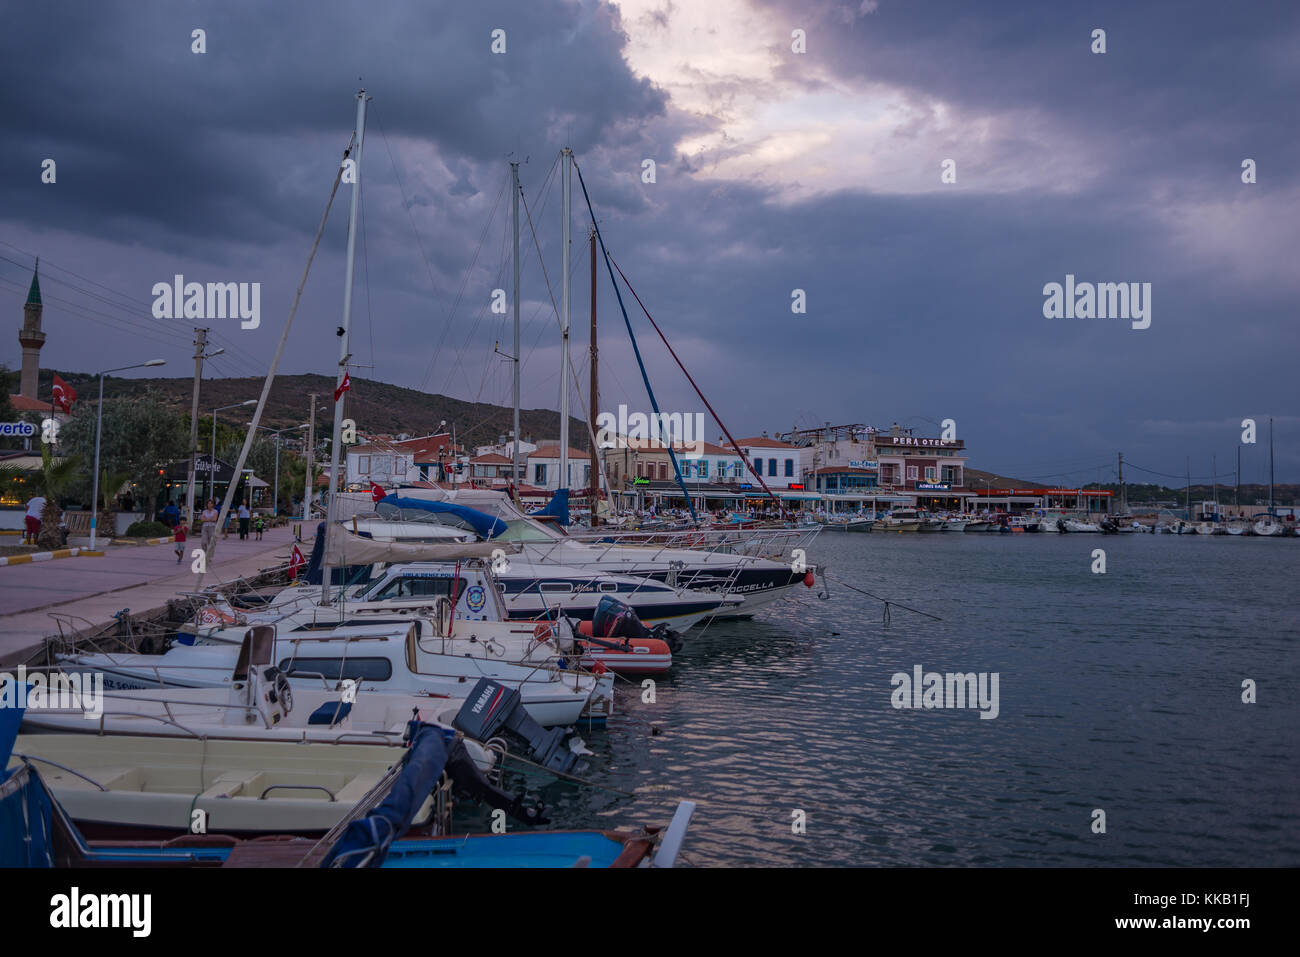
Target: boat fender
543,632
809,579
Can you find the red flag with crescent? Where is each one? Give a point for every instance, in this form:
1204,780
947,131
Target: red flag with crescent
343,386
377,492
64,395
295,562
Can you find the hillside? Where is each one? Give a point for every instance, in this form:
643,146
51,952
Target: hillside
376,406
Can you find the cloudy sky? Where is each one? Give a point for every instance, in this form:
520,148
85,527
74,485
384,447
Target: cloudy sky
775,170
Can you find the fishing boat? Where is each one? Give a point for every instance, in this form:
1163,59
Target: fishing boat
1078,525
849,524
901,520
376,831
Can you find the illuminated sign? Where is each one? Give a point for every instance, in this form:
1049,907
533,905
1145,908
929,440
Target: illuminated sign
25,429
640,481
907,440
934,486
797,487
863,464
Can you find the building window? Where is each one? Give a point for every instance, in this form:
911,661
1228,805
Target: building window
401,466
930,475
789,468
663,471
771,468
704,468
912,473
363,464
539,475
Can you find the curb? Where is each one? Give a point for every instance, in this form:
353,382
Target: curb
142,541
45,556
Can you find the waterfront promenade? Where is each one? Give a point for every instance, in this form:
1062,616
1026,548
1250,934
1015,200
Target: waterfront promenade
138,577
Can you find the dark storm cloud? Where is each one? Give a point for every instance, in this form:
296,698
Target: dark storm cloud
919,305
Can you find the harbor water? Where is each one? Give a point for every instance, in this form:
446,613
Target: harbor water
1118,692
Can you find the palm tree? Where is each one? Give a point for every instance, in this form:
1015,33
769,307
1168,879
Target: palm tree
54,477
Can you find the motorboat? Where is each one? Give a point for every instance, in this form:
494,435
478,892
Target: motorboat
374,658
755,570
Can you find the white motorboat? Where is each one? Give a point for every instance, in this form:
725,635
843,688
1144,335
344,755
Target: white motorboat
749,570
376,658
901,520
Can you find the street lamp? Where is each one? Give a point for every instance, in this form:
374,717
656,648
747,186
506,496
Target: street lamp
99,425
212,449
275,503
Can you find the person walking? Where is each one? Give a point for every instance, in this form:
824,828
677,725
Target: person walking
244,516
180,542
35,505
260,526
171,515
209,519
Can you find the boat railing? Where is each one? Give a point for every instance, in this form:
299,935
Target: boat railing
298,787
61,767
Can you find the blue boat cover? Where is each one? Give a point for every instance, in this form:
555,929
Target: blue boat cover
366,841
484,525
558,506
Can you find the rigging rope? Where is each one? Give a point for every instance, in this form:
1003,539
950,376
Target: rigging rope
654,403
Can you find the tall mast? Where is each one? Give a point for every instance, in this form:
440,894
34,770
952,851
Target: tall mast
1236,495
1214,459
1270,466
1123,489
344,355
1187,496
593,484
567,159
514,177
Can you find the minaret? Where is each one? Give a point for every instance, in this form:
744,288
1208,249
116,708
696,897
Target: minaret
31,337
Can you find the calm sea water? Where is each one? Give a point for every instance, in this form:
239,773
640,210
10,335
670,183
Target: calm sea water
1119,691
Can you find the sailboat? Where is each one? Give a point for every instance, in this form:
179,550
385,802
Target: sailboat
1269,526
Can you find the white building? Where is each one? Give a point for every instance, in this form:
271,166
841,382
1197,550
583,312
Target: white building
381,462
544,468
780,464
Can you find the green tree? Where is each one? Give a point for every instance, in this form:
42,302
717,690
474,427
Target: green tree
139,439
54,478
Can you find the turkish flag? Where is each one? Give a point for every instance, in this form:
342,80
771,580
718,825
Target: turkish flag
343,386
377,492
64,395
295,562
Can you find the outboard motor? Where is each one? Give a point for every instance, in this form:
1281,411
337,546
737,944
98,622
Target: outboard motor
491,708
616,619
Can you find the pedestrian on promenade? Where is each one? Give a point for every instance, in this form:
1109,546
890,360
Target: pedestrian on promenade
261,525
35,505
209,518
171,515
180,542
244,516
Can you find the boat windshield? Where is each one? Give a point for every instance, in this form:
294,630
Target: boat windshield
525,530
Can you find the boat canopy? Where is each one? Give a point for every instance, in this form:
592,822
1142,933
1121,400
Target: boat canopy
557,507
345,548
483,524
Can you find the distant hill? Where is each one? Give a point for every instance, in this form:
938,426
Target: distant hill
376,406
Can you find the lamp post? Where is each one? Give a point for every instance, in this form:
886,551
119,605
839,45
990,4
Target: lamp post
99,426
212,449
275,501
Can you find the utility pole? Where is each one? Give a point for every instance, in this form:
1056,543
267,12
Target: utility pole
594,481
311,460
200,343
